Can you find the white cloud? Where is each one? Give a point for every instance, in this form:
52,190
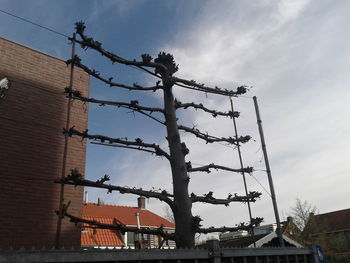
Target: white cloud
120,7
294,54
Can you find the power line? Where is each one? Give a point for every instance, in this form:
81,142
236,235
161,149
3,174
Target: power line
35,24
262,186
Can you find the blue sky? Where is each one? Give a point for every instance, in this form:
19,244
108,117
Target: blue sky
294,54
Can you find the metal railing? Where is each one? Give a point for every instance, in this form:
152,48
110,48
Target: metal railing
213,254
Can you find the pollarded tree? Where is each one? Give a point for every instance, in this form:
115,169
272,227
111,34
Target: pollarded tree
180,201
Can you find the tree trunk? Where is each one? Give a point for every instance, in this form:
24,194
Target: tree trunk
184,232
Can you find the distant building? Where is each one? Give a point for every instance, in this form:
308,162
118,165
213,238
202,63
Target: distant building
331,229
264,236
128,216
32,115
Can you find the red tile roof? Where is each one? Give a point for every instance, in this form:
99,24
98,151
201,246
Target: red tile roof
333,221
126,215
101,237
109,214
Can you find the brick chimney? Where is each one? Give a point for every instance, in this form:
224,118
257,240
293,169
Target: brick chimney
141,202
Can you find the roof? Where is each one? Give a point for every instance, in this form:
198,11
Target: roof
289,228
101,237
262,240
126,215
333,221
111,214
242,241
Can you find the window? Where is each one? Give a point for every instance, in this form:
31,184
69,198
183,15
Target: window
130,238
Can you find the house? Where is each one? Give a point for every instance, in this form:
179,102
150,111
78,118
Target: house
330,230
33,113
128,216
264,236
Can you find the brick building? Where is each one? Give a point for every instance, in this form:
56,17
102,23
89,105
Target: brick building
330,230
32,115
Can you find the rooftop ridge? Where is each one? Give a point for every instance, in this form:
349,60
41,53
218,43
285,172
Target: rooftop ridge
342,210
90,203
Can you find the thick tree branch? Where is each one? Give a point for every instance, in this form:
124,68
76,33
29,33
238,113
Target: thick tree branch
206,168
208,198
214,113
191,84
210,139
158,231
75,178
88,42
133,105
110,81
138,142
125,147
242,226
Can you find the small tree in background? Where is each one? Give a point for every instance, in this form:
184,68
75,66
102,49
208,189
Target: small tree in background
168,214
301,212
163,68
314,232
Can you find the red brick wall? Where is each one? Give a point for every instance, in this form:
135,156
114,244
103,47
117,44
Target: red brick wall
32,116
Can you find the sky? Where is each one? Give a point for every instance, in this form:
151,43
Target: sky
294,56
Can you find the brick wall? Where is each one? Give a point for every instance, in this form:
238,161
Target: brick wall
32,116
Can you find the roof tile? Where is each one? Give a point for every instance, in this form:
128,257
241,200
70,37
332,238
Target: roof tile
101,237
110,214
334,221
126,215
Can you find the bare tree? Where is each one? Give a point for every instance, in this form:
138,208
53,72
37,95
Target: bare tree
180,201
315,231
168,214
301,212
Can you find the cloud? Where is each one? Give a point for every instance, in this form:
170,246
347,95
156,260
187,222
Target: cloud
121,8
294,55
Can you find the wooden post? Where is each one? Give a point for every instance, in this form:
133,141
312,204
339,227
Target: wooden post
214,251
65,151
241,163
268,171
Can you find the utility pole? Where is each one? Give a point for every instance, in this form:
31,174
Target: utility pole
268,171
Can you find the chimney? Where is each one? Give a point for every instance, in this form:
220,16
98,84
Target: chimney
98,201
86,197
141,202
290,219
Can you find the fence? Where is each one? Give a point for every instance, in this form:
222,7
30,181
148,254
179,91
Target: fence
213,254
